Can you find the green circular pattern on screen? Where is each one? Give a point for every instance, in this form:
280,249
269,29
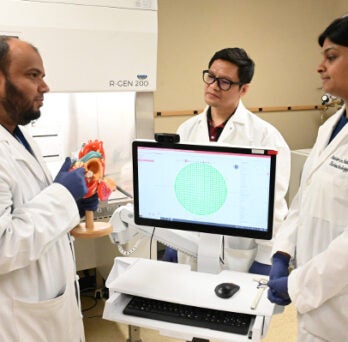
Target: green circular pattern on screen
200,188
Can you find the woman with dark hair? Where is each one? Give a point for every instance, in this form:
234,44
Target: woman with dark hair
315,233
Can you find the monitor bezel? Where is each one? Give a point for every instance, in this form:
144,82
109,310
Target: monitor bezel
204,228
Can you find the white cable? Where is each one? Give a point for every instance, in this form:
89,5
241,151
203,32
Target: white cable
128,252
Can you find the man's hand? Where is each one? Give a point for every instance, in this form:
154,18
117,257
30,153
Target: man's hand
280,266
259,268
89,203
73,180
278,291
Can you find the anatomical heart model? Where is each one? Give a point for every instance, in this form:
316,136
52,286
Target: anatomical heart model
92,158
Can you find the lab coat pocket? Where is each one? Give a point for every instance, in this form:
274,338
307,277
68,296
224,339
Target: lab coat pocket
57,319
340,201
330,191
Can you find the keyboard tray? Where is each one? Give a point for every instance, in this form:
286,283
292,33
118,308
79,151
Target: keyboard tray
232,322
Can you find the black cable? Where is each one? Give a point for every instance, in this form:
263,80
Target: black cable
222,259
91,306
95,316
151,239
87,289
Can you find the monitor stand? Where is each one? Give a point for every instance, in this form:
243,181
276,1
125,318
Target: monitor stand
209,252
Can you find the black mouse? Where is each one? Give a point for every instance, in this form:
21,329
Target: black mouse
226,290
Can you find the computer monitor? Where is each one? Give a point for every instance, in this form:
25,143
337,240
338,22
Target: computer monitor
212,188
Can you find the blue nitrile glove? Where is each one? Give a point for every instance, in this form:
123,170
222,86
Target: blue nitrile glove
90,203
259,268
278,291
73,180
170,255
280,266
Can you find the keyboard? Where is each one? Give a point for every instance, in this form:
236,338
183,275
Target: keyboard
231,322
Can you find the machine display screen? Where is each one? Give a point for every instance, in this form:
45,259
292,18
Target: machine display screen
211,188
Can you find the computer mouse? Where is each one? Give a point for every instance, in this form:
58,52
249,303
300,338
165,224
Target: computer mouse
226,290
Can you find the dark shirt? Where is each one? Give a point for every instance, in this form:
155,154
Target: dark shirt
340,124
20,137
214,132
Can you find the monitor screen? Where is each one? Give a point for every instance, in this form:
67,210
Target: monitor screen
212,188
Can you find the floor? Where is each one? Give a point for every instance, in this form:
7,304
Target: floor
282,327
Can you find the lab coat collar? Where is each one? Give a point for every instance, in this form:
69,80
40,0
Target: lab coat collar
325,131
237,119
19,152
239,114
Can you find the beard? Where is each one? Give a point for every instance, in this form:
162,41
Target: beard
18,106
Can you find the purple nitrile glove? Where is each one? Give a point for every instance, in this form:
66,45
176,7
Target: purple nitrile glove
278,291
89,203
259,268
280,266
170,255
73,180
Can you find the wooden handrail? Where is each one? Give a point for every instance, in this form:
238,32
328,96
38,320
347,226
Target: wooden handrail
178,112
252,109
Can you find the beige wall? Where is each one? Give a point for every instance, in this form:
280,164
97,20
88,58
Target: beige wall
281,37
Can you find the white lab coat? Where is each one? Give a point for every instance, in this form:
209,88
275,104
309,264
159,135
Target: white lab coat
245,129
37,270
317,229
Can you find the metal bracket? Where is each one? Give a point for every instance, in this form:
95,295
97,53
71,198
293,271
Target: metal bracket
134,334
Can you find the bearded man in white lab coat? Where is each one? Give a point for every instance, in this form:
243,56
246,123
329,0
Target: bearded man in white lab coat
226,120
38,283
315,232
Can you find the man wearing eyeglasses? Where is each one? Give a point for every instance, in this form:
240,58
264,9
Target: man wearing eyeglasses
225,119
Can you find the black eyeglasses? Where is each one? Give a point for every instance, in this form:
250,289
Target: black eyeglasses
222,83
